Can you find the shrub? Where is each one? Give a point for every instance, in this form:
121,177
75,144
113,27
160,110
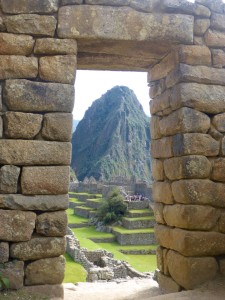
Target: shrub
4,282
113,208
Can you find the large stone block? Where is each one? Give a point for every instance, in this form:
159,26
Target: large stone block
12,66
222,266
222,222
194,55
161,192
199,191
4,252
9,176
38,248
40,202
68,2
214,38
184,120
201,26
124,23
16,226
215,5
155,130
157,169
195,144
167,284
31,24
190,243
29,96
192,271
160,103
29,6
13,44
162,148
57,127
191,166
55,46
38,271
25,152
19,125
217,21
45,180
218,173
218,57
14,272
193,217
60,68
158,212
52,224
219,122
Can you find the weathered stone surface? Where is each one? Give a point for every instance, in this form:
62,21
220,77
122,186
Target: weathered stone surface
21,152
52,224
1,120
40,202
156,88
12,66
19,125
57,127
60,68
162,148
190,243
218,57
55,46
38,248
157,169
199,41
167,284
219,122
159,258
9,176
161,102
218,173
45,180
217,21
192,271
2,25
214,38
184,120
31,24
158,212
222,222
4,252
29,96
16,226
68,2
205,98
194,55
193,217
13,44
55,291
14,272
38,271
155,130
199,191
27,6
223,146
191,166
215,133
195,144
215,5
201,26
222,266
124,23
161,192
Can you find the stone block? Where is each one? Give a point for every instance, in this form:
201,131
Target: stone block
37,202
199,191
158,212
104,22
194,55
38,272
190,167
38,25
145,5
217,22
29,6
2,25
52,224
222,266
214,38
162,148
195,144
60,68
16,226
161,102
159,258
4,252
45,180
38,248
154,125
218,173
184,120
13,44
205,98
223,146
167,284
199,41
25,152
190,243
70,2
14,272
218,57
1,121
192,217
192,271
28,96
55,46
201,26
221,224
215,5
18,125
12,66
157,169
9,176
215,133
57,127
156,88
161,192
219,122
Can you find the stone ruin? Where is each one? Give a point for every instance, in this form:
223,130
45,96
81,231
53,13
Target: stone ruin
181,45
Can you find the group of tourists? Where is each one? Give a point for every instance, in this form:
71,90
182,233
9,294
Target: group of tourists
136,197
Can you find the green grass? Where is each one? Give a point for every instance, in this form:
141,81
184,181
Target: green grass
74,272
90,232
75,200
149,218
75,219
143,263
129,231
84,207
